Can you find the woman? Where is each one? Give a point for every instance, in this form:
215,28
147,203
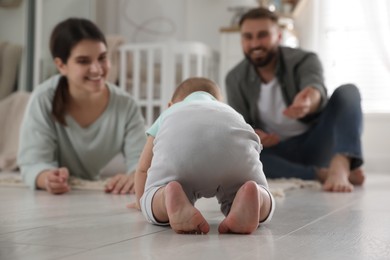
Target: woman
76,122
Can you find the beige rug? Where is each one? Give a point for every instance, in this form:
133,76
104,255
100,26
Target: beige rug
277,186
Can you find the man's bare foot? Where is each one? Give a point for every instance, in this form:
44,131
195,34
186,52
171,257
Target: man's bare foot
244,214
322,174
357,177
337,179
183,216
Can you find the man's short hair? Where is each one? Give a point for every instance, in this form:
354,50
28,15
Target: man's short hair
259,13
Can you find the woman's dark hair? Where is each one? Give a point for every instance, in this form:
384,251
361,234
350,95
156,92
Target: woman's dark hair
259,13
64,37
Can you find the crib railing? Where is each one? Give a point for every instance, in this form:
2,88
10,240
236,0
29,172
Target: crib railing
151,71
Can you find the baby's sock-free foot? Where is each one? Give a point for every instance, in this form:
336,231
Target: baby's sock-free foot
244,214
183,216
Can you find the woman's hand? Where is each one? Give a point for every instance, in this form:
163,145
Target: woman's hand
121,184
54,181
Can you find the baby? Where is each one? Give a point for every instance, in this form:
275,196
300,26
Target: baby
201,147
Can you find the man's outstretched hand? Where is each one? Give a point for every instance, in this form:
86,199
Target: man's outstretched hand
267,140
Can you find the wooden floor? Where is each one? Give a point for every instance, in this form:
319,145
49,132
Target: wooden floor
308,224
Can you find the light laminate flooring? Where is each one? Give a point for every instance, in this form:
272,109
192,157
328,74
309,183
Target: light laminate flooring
307,224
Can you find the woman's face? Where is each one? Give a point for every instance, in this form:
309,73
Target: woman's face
87,67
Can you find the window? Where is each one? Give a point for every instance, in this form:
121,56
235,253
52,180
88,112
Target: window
350,55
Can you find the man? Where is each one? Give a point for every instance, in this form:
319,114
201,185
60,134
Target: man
280,91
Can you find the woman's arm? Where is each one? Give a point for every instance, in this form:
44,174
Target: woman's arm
54,181
38,144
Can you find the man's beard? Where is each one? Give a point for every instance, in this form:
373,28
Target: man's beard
262,62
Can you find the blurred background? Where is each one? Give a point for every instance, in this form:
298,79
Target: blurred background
350,36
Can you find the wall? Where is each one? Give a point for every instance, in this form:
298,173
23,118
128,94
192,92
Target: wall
12,24
306,26
52,12
152,20
205,18
376,143
189,20
105,12
49,12
13,29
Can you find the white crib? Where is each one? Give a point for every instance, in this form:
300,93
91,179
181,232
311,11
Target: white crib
151,71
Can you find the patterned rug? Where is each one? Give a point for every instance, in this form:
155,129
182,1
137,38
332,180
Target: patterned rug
278,187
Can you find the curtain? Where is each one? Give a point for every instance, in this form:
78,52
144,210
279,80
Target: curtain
377,15
353,52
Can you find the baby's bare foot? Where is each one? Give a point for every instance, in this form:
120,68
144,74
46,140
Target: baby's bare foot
244,214
183,216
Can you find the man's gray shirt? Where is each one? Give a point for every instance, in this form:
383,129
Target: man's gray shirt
295,70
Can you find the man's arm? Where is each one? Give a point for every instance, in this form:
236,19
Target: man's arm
311,82
235,98
306,102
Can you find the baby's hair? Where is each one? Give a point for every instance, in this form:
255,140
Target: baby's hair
194,84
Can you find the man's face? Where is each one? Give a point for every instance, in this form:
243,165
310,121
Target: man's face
260,39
